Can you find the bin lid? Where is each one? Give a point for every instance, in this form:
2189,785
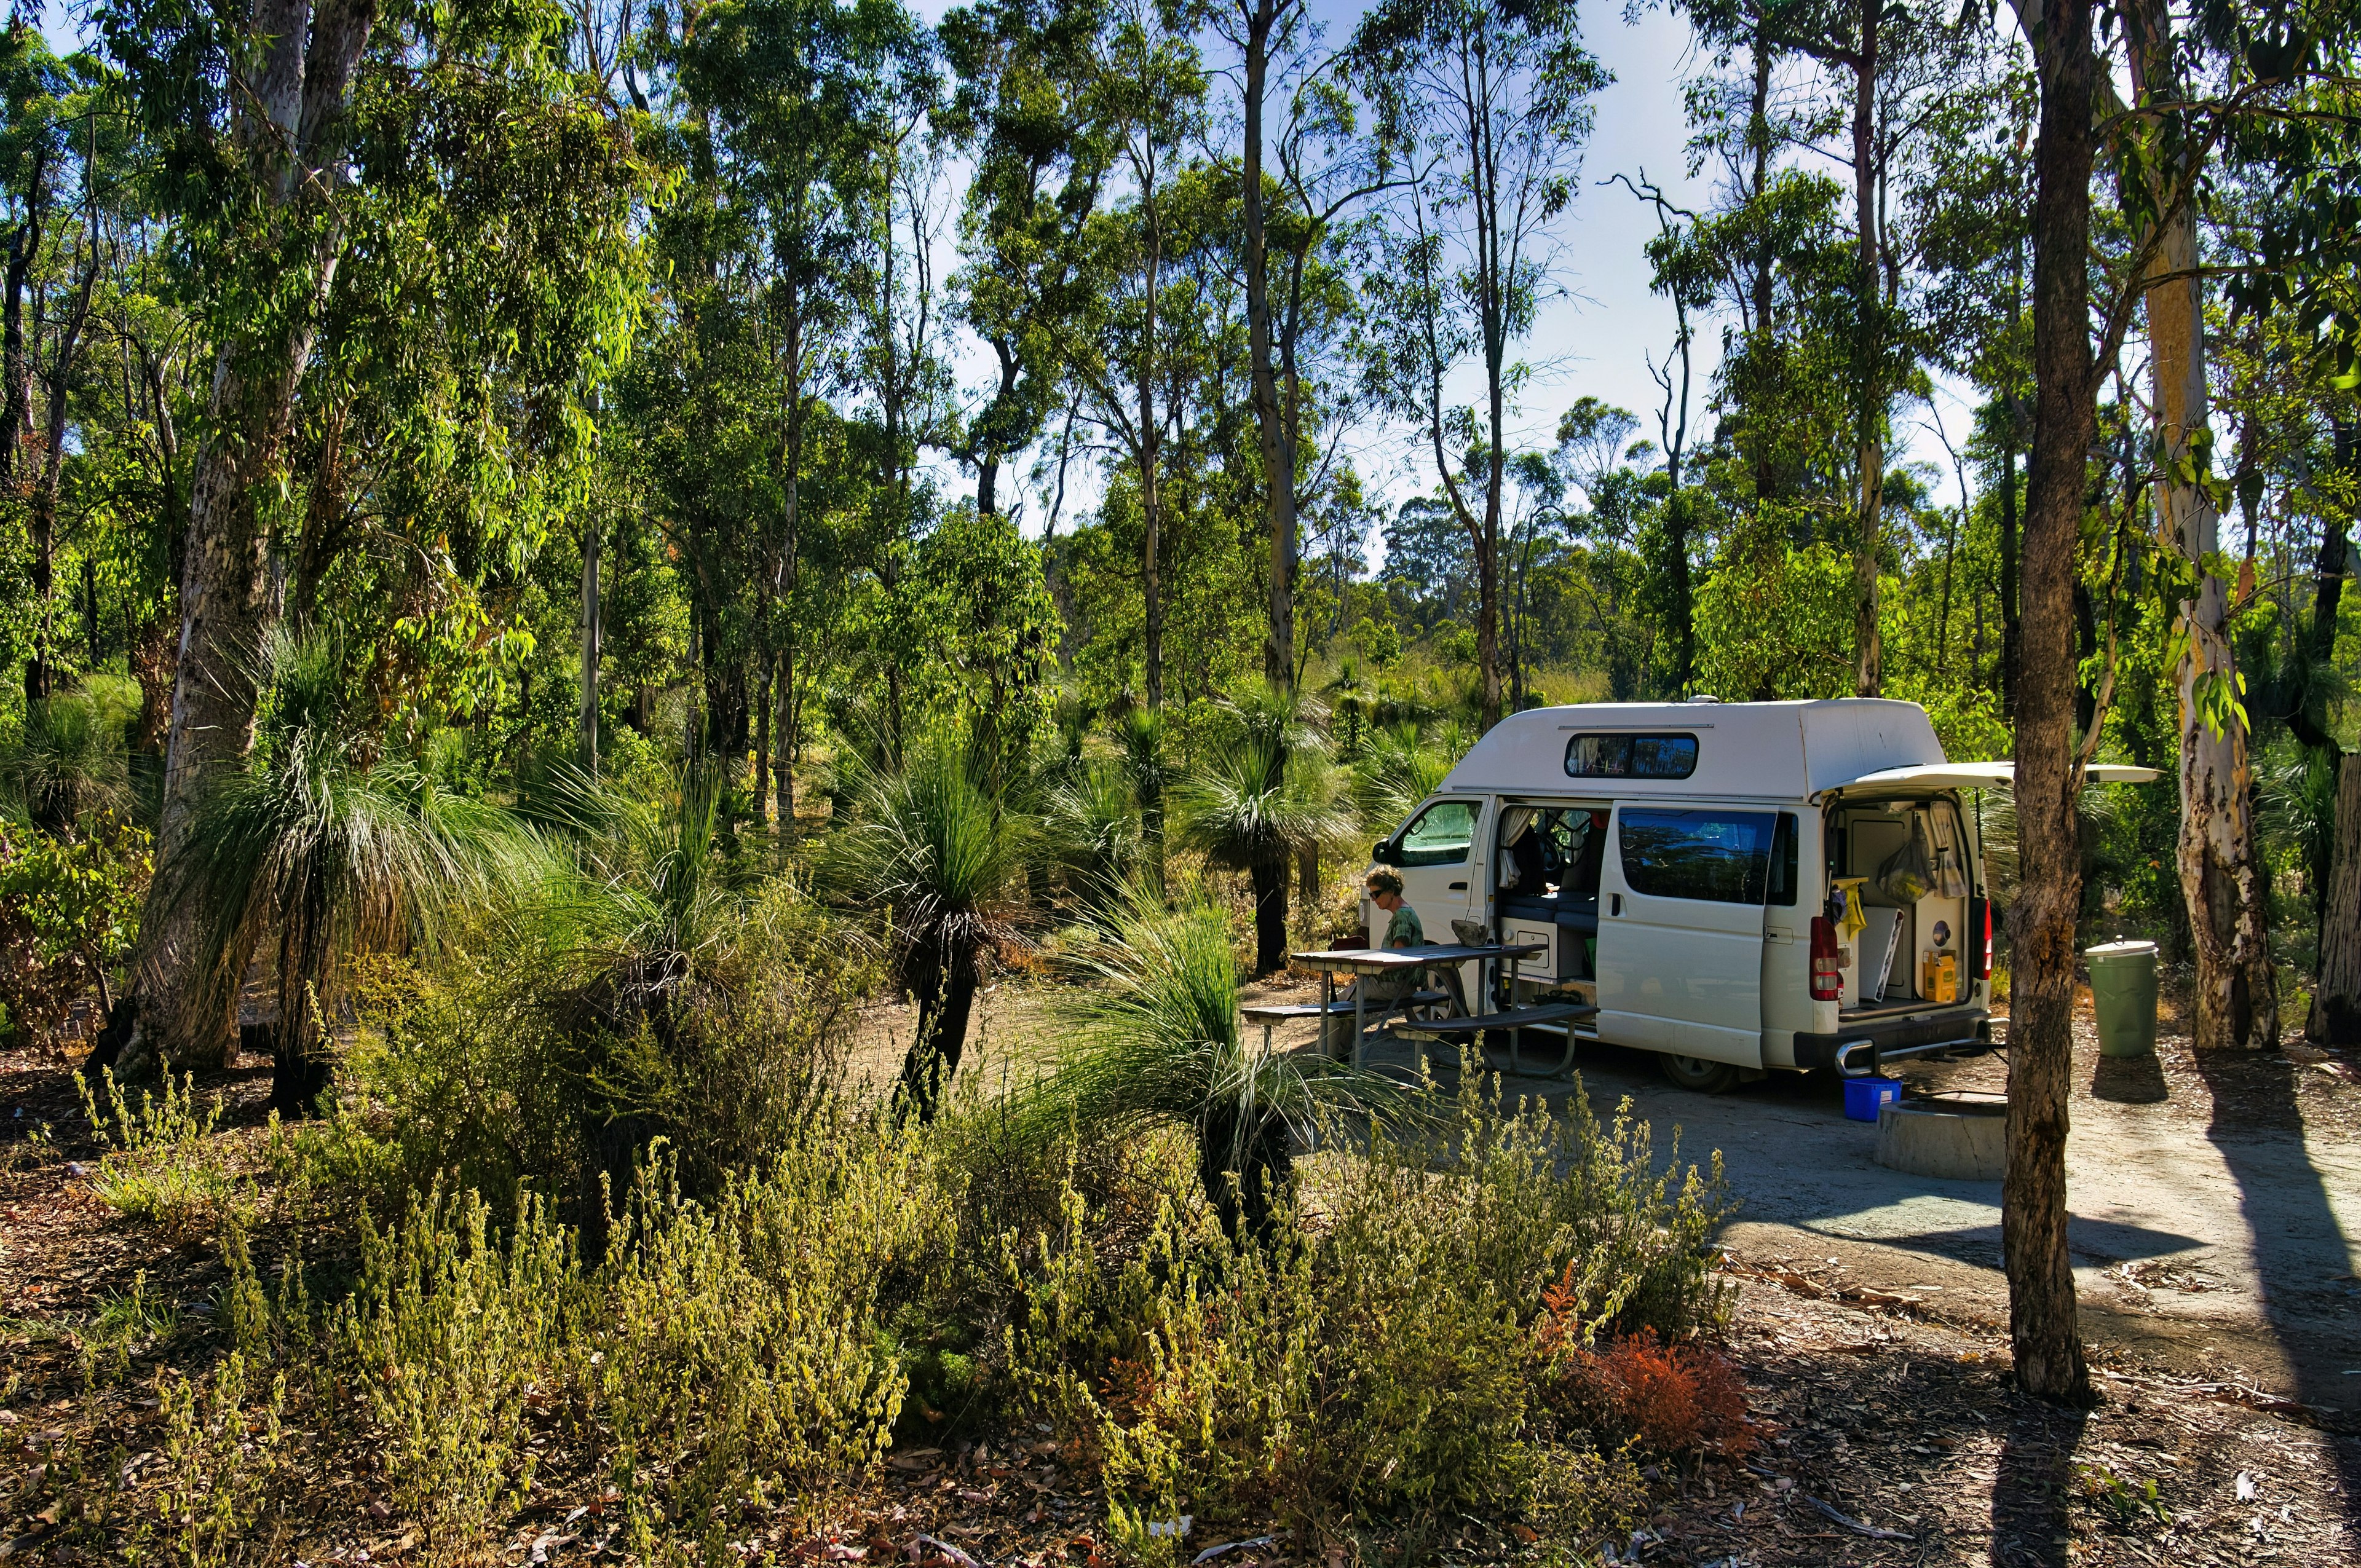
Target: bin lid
2106,950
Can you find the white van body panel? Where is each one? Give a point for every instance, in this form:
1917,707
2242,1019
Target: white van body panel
1683,975
1720,981
1753,751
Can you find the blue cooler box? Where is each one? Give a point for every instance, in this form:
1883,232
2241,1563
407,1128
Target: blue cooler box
1864,1095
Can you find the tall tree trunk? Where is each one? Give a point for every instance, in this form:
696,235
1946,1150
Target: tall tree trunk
2011,633
790,569
2238,1002
289,124
1278,449
2336,999
987,456
2043,1331
1151,586
1868,655
16,364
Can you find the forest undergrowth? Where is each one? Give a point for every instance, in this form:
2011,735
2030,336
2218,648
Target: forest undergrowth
1494,1312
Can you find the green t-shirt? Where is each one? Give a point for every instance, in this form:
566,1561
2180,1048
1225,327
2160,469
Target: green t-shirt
1403,930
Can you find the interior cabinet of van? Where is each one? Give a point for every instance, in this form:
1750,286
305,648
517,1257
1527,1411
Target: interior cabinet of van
1894,848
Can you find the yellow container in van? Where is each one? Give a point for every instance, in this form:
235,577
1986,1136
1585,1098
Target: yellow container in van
1938,977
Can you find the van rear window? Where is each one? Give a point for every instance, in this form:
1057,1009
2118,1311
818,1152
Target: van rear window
1721,857
1631,756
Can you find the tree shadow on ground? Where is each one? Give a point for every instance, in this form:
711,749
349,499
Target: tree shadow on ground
2033,1489
2297,1240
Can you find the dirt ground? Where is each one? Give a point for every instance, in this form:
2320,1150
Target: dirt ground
2213,1201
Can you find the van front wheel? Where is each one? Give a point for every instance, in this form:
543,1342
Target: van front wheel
1695,1073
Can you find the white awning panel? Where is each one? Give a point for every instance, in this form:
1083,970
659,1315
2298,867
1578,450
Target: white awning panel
1979,775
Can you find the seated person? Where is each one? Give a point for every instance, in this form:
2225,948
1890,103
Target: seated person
1379,992
1403,927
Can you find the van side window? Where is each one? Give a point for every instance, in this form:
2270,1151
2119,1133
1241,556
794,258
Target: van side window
1440,834
1631,756
1783,861
1723,856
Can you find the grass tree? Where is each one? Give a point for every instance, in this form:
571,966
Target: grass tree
315,851
1091,830
71,758
1266,796
1154,1037
947,863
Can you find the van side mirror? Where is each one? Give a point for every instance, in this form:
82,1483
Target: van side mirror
1384,854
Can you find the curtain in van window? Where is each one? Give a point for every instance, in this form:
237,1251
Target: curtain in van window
1722,857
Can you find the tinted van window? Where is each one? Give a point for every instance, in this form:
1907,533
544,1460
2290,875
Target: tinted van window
1440,834
1723,856
1783,861
1631,756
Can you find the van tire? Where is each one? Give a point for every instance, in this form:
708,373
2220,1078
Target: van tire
1697,1073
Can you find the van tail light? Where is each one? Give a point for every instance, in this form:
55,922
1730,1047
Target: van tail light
1827,975
1980,921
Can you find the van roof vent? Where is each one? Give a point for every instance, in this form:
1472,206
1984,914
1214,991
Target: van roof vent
1702,697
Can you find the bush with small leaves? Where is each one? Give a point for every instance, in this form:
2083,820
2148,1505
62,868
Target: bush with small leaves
740,1337
448,1330
222,1443
164,1162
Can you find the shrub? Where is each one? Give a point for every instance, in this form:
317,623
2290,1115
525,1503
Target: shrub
221,1449
741,1337
446,1334
69,917
1667,1399
164,1162
1373,1360
510,1061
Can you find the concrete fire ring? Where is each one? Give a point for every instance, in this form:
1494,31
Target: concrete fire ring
1955,1139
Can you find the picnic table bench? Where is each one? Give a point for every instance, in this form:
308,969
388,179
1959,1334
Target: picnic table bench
1514,1023
1367,963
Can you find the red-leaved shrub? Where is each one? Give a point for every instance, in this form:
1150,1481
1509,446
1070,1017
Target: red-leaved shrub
1668,1399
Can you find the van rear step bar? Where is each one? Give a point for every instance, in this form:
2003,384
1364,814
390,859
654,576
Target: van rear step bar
1861,1058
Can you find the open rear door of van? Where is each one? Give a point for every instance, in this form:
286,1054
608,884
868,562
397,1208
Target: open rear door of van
1680,928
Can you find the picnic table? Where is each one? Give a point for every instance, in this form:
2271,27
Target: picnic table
1375,962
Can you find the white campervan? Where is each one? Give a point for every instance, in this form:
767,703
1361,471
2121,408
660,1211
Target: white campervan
1739,886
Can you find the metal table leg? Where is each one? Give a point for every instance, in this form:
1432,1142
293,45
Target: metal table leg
1360,1011
1516,1035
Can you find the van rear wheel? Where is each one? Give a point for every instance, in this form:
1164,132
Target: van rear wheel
1697,1073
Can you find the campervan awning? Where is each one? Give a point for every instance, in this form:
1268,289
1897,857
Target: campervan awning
1977,775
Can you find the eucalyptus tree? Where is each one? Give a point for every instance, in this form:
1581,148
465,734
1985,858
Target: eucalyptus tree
1892,67
299,143
1303,173
60,145
1041,165
783,104
1491,107
1137,351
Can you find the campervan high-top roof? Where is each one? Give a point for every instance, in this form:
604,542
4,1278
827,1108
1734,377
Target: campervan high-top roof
1782,750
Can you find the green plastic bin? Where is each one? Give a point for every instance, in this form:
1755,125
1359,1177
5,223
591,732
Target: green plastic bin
2123,990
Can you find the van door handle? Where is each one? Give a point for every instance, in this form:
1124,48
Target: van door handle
1459,888
1617,903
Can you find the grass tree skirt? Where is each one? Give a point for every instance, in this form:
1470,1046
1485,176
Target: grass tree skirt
1956,1139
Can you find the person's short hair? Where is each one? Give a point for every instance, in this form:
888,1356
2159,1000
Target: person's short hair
1386,879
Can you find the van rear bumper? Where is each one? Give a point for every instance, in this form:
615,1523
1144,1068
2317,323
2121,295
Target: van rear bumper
1857,1051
